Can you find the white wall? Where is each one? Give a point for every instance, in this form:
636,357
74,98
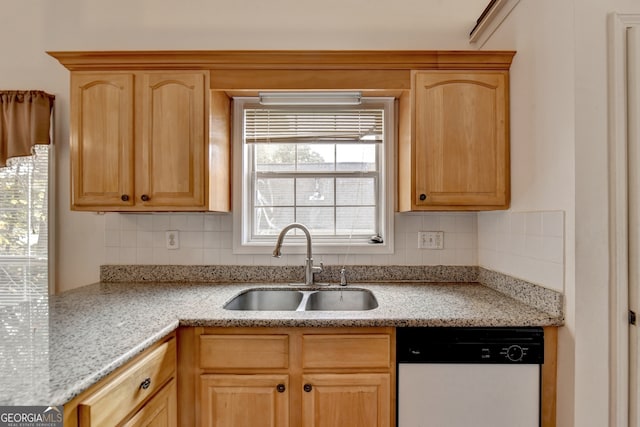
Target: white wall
543,143
559,141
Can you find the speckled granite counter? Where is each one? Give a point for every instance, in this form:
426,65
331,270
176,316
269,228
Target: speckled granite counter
97,328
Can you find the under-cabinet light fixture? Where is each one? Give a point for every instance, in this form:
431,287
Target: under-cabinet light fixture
310,98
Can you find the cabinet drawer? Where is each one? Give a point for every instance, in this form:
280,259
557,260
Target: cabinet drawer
346,351
113,402
244,351
161,410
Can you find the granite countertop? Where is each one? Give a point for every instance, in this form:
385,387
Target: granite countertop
77,338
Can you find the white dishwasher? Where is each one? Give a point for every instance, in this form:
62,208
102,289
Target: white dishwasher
469,377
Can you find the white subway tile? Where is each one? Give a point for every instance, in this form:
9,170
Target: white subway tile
553,224
262,260
397,257
211,240
431,257
408,223
448,257
465,223
112,221
431,222
459,240
533,247
191,239
411,240
212,222
226,240
144,256
195,222
112,255
161,222
553,249
128,238
145,222
128,222
128,256
466,257
112,238
228,258
518,223
144,239
447,223
533,224
226,222
211,256
413,257
161,256
159,239
179,222
516,245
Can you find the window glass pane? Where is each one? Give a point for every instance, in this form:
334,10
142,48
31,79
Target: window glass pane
274,192
24,227
314,191
275,157
269,221
355,220
356,157
355,191
316,157
318,220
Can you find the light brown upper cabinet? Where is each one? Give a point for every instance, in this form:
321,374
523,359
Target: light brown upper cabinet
144,127
138,140
459,152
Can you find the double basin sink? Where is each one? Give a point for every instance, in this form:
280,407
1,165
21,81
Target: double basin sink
336,299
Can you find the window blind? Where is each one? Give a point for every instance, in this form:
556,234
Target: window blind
24,227
313,125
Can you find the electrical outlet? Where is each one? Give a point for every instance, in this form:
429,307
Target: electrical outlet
431,239
172,239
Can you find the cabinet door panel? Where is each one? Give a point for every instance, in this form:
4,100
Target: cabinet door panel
461,151
172,143
347,400
102,139
244,401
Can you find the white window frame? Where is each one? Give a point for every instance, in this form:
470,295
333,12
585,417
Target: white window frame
242,187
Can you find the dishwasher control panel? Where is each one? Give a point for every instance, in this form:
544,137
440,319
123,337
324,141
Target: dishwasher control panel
470,345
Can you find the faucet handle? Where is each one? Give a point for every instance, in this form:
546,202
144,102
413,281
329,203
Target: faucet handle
343,277
318,269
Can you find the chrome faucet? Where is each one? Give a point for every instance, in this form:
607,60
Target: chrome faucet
309,269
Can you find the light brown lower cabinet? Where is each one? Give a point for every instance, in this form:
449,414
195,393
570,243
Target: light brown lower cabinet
346,400
281,377
244,400
141,393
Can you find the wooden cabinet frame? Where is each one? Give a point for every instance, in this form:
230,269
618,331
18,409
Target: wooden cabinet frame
244,73
375,373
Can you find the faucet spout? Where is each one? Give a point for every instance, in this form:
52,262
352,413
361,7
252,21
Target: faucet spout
310,269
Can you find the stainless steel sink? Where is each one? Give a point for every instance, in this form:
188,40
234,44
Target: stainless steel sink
266,300
341,300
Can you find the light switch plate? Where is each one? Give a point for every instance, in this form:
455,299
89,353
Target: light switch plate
431,239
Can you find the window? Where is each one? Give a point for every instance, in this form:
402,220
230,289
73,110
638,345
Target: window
23,228
327,167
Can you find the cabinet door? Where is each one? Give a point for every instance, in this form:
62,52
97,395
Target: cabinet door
461,140
102,112
346,400
244,400
160,411
171,149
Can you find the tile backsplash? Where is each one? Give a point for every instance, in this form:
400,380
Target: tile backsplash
206,239
525,245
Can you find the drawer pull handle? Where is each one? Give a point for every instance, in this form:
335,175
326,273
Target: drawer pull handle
423,197
281,388
145,384
145,198
124,198
308,388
